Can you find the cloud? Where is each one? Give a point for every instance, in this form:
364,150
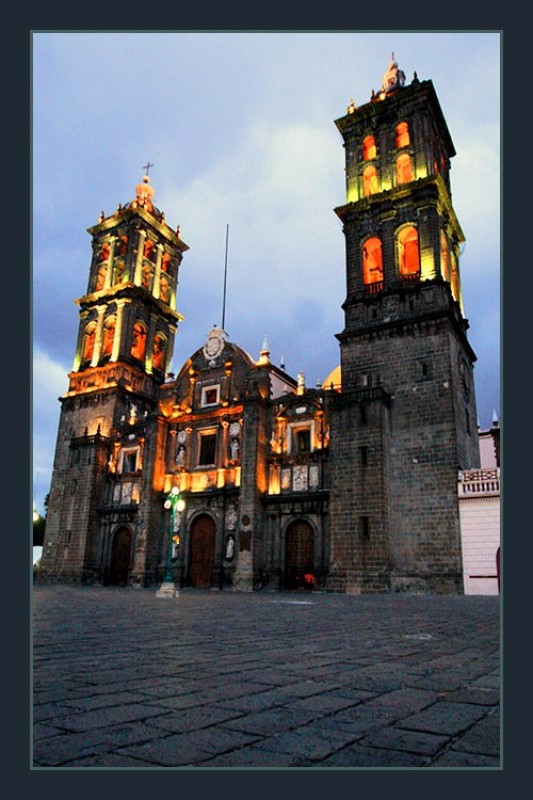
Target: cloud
277,192
49,383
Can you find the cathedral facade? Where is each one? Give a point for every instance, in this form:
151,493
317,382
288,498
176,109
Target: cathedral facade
350,486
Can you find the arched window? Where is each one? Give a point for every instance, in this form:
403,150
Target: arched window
444,258
402,134
88,341
408,252
109,335
138,341
119,261
372,261
165,262
149,250
158,354
404,172
370,181
369,148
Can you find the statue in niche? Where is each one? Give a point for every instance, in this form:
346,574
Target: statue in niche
180,456
163,289
109,335
158,352
88,342
138,341
230,547
147,277
100,278
234,449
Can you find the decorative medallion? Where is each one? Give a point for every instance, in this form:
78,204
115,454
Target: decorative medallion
234,429
214,344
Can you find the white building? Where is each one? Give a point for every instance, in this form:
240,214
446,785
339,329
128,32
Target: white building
479,515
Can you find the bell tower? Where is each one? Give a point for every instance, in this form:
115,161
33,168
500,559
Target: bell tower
406,414
127,323
128,316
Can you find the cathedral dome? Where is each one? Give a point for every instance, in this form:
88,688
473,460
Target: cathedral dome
333,380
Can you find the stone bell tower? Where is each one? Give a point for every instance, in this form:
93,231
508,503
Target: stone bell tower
405,419
127,323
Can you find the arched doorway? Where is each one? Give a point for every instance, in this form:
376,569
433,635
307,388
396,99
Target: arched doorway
299,556
202,551
120,558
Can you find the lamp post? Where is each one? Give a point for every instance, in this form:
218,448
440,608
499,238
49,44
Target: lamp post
173,503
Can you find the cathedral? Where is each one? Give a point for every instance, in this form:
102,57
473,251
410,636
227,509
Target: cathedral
232,474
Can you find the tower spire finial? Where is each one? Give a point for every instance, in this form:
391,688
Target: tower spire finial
147,167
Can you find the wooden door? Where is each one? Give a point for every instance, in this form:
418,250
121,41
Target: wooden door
120,558
202,551
299,556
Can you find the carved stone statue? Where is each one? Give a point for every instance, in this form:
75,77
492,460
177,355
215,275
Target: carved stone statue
230,547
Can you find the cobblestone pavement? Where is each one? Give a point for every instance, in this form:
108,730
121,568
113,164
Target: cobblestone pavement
125,679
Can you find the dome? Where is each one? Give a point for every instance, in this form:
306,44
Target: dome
333,380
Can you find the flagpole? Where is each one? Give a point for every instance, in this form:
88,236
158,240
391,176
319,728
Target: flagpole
225,279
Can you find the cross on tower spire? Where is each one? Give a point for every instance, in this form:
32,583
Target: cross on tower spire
147,167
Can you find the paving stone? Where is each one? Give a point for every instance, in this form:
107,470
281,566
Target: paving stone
57,750
51,711
490,681
477,695
303,743
255,756
106,700
483,737
405,700
356,756
411,741
191,719
43,731
111,760
444,717
218,740
323,704
453,758
329,728
168,751
105,717
271,721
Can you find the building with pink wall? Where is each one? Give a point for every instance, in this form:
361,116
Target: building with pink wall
479,515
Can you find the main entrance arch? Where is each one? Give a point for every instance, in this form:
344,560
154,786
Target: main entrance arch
299,556
120,557
202,551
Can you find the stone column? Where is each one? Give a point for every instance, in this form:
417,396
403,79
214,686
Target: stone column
156,289
138,276
118,330
109,271
98,336
81,337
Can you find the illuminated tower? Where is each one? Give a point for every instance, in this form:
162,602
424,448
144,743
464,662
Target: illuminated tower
108,434
405,421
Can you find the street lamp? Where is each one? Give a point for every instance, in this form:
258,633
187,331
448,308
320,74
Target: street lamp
173,503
